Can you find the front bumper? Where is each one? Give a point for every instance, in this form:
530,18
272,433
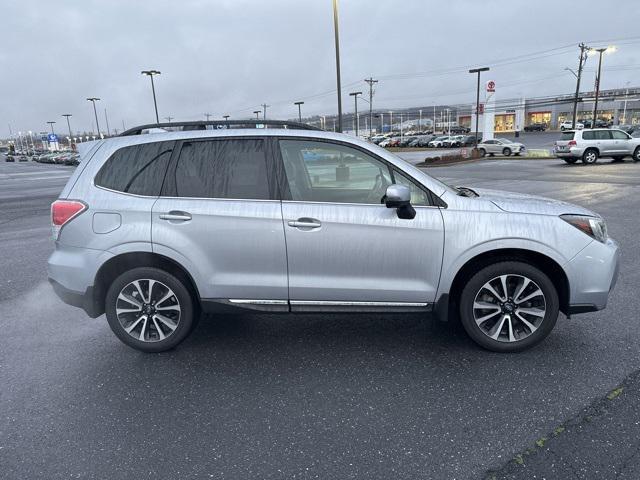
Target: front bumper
592,276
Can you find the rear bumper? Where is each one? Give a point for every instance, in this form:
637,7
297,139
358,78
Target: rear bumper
573,152
593,274
84,300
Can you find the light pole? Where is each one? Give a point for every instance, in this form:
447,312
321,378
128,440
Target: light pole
257,112
95,112
264,110
208,115
51,125
600,51
67,115
355,99
477,70
390,121
299,104
624,111
337,42
150,74
420,121
226,117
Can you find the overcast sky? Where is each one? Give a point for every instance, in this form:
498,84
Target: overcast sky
229,56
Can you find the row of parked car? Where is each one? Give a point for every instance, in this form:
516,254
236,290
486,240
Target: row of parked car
60,158
424,140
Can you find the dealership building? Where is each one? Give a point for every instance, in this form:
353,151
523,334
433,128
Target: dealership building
619,106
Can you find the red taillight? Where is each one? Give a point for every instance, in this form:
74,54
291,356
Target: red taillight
572,143
63,211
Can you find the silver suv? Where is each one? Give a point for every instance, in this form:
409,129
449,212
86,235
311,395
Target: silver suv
153,229
591,144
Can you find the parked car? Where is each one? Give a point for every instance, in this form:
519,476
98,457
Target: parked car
406,140
438,142
453,141
535,127
9,158
590,144
152,244
568,125
470,140
457,130
501,146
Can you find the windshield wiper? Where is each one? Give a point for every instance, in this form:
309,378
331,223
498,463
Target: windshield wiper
466,192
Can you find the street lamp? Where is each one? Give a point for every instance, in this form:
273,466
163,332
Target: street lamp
477,70
355,99
257,112
95,112
299,110
51,125
67,115
150,74
226,117
337,42
599,51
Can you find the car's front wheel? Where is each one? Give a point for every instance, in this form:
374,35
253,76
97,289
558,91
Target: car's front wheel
506,151
509,306
149,309
636,155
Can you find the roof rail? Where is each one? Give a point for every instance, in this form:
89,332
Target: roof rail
218,124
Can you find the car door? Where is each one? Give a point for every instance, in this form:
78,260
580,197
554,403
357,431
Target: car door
344,247
490,146
604,142
220,216
622,145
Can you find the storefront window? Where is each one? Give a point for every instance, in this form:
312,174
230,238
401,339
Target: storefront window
504,123
540,117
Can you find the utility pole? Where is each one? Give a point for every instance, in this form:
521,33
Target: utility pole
595,104
67,115
477,70
106,119
264,110
420,121
355,99
168,119
299,104
150,74
583,57
371,83
337,42
95,112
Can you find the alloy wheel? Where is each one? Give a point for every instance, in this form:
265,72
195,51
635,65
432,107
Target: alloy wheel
148,310
509,308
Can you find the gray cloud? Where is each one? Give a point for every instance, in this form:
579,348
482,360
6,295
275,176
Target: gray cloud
228,56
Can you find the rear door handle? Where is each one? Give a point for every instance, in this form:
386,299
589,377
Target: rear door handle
176,216
305,223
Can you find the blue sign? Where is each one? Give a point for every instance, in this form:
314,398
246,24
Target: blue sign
53,138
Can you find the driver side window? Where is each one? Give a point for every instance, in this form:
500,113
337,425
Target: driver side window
328,172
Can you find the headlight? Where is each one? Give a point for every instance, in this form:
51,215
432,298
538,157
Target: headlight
592,226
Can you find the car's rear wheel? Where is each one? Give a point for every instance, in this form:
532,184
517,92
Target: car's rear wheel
482,152
570,160
149,309
509,306
506,151
590,156
636,155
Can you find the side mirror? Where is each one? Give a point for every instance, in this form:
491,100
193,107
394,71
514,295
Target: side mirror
399,197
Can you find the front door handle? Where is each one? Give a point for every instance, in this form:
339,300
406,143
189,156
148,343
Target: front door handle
176,216
305,223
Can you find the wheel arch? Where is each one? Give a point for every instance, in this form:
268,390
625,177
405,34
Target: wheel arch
447,304
119,264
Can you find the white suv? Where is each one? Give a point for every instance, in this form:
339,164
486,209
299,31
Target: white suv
590,144
568,125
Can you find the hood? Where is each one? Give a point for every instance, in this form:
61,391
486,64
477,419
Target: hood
523,203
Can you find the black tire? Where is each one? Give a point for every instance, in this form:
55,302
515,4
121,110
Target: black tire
486,274
185,321
570,161
590,156
562,129
506,151
636,154
482,152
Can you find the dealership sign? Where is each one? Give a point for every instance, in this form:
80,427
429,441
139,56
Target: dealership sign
491,86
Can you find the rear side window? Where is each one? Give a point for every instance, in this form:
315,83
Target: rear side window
566,136
618,135
138,169
235,169
603,135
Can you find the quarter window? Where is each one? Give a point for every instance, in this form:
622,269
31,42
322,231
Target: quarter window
138,169
235,168
326,172
418,196
618,135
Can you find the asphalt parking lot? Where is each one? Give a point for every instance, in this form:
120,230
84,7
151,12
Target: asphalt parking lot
306,396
